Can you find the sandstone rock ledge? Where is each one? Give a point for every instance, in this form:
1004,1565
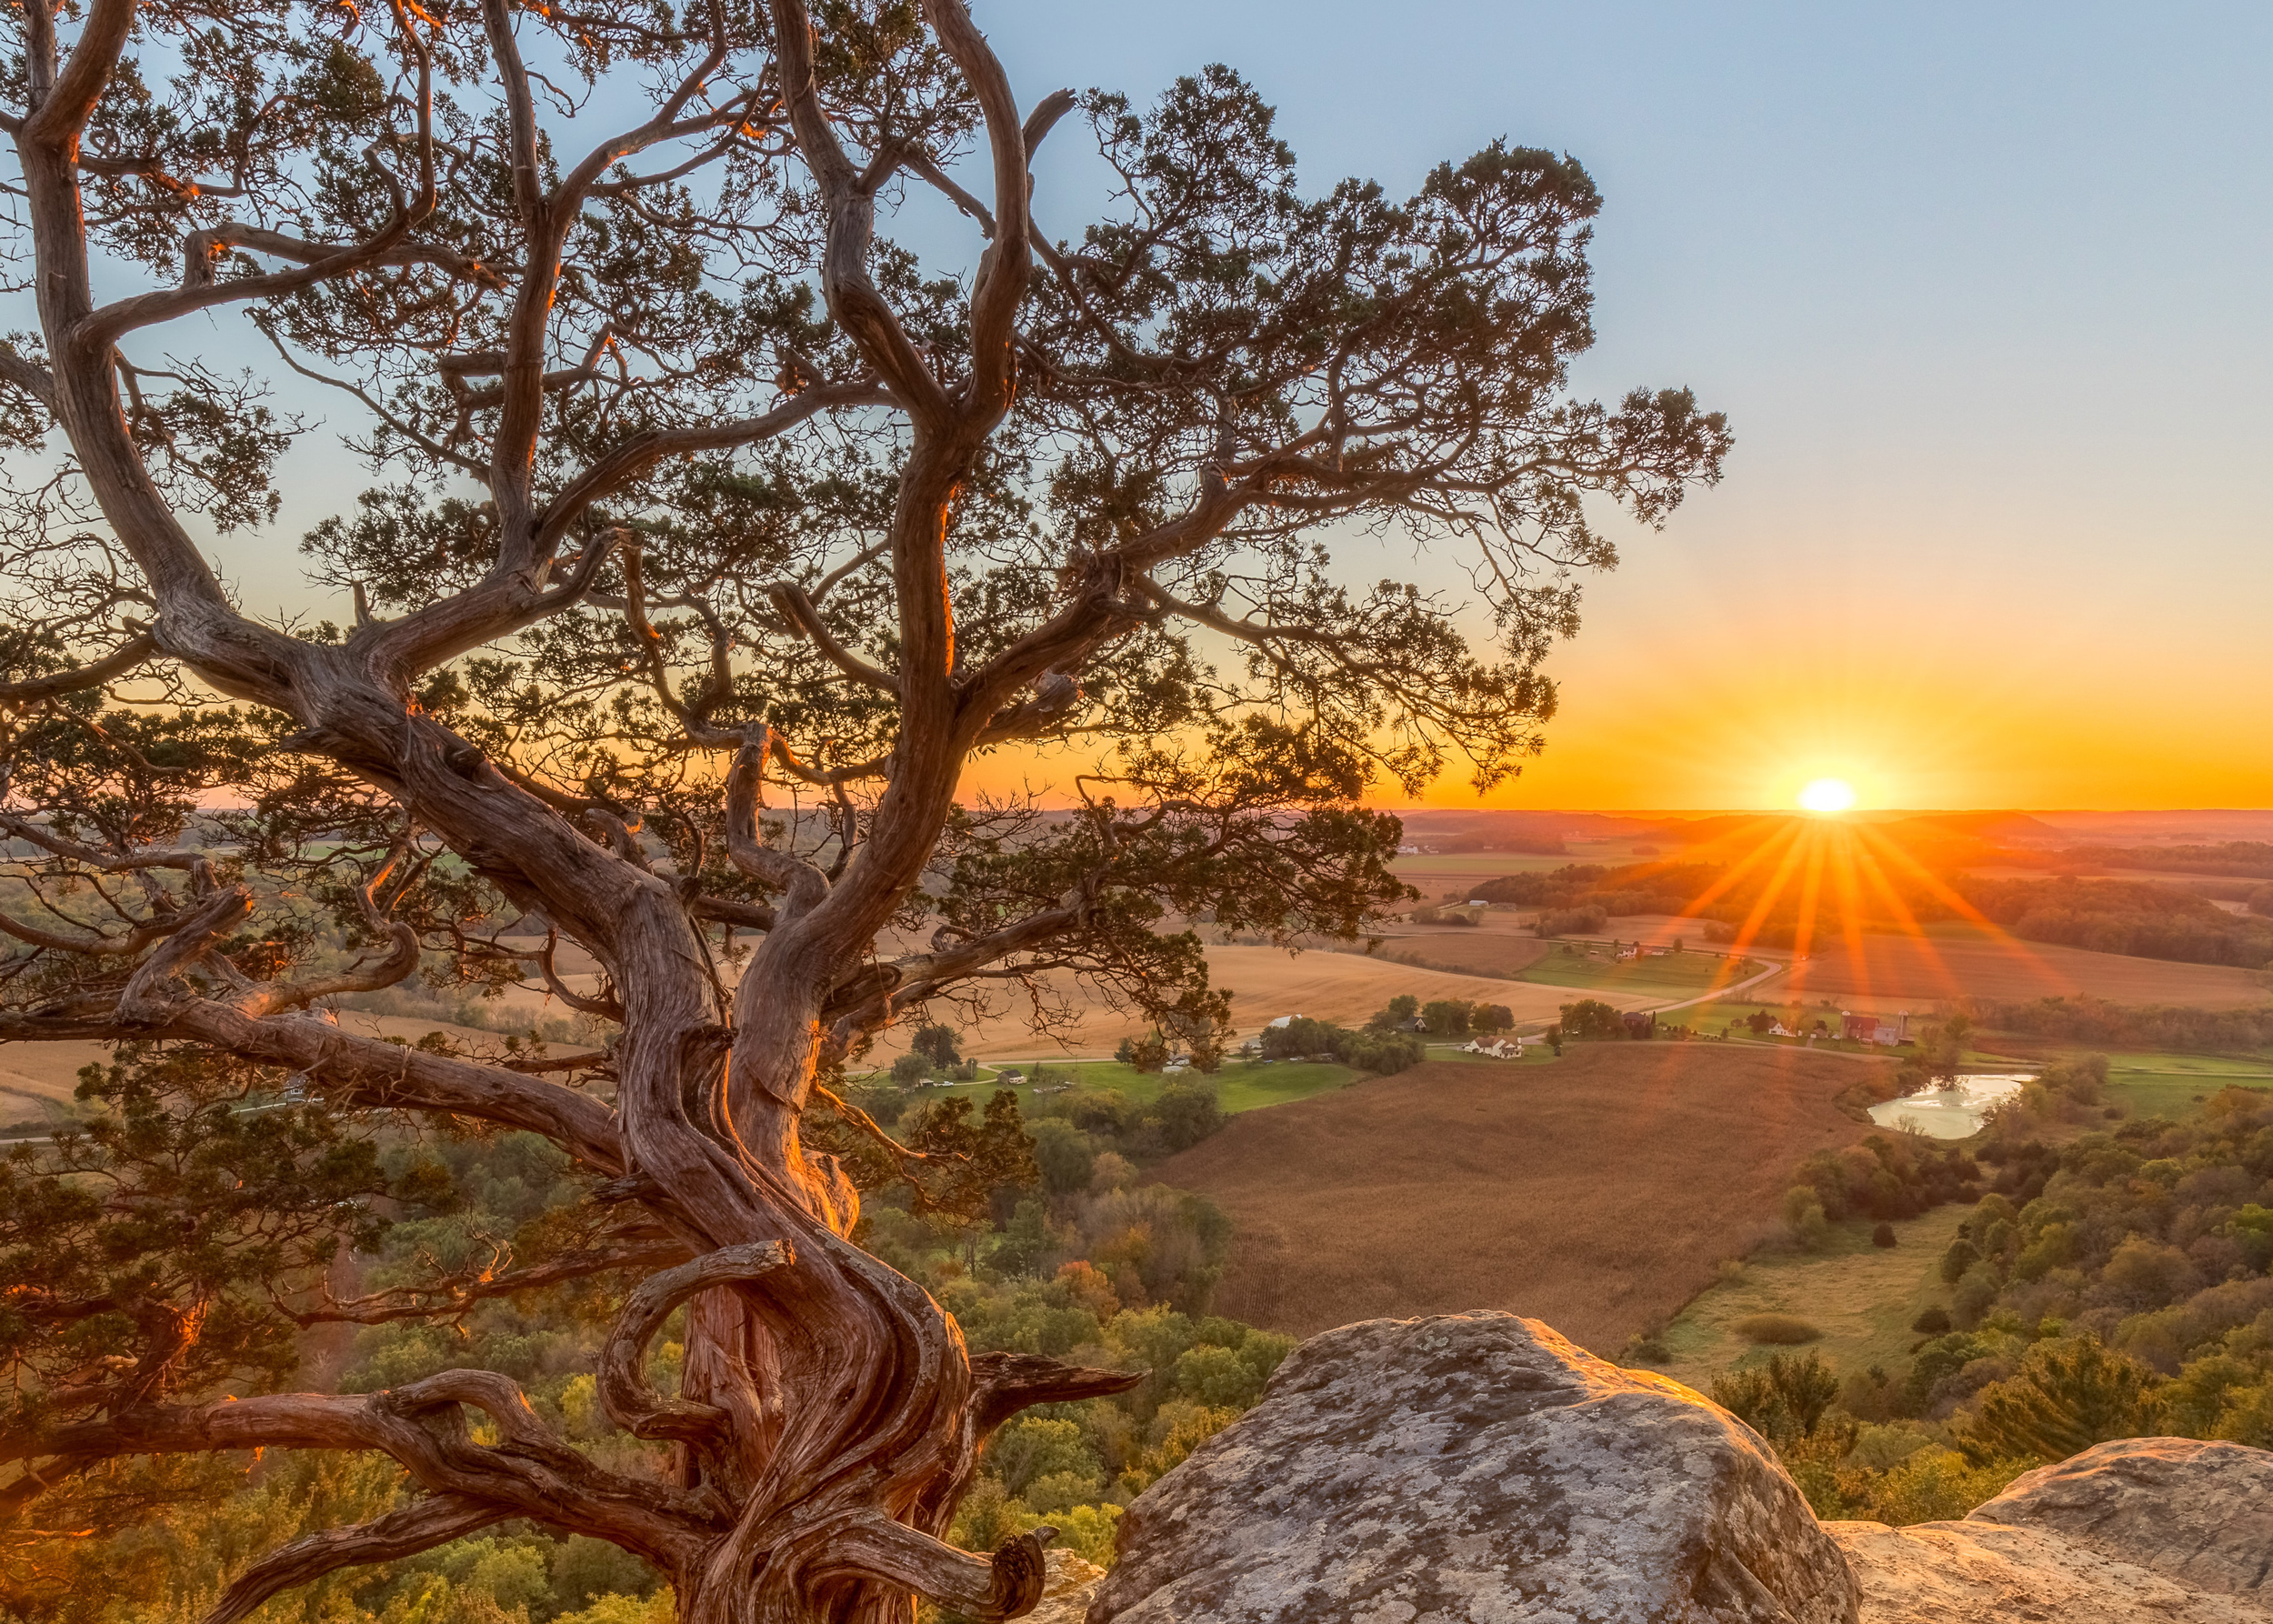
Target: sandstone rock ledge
1474,1468
2150,1528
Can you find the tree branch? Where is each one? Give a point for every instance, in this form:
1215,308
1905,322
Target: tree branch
453,1296
22,695
435,1521
624,1394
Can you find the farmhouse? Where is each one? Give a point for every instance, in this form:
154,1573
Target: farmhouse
1870,1029
1505,1048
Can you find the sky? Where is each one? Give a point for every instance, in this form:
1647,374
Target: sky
1982,290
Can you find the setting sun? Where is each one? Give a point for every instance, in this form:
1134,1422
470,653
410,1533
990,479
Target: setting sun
1828,794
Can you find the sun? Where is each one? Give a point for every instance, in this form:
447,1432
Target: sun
1828,794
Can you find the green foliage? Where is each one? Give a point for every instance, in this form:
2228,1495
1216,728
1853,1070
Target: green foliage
1787,1398
149,1251
2102,1024
1804,1219
1590,1019
1380,1051
1395,1015
1571,921
1445,1018
2115,1286
1101,1121
1889,1176
936,1044
2068,1394
2132,917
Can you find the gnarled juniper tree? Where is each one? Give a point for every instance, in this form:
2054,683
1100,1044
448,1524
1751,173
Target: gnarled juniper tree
695,489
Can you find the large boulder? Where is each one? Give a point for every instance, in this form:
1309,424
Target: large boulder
2161,1529
2198,1513
1474,1468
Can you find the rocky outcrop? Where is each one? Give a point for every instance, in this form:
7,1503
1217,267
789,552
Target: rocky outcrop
1474,1468
2149,1528
1067,1583
2200,1514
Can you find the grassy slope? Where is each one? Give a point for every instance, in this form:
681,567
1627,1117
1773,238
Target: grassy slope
1861,1297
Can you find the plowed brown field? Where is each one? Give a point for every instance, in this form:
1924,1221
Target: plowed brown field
1925,969
1598,1193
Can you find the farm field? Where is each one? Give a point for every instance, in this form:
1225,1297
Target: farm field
1567,1191
1948,963
1861,1297
1343,987
2167,1085
1481,950
1668,975
1435,874
1240,1086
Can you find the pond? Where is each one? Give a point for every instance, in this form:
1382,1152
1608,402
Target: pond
1956,1112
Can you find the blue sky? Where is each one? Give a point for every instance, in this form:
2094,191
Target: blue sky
1983,290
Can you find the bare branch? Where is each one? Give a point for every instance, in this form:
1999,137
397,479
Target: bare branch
624,1394
804,886
435,1521
451,1297
801,613
22,695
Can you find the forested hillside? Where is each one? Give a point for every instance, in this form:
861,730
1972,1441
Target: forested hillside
292,1226
2114,1287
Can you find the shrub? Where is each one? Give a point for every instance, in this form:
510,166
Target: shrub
1933,1322
1591,1017
1937,1485
1781,1331
1803,1216
1882,1235
1783,1400
1387,1055
1187,1113
1565,921
2068,1394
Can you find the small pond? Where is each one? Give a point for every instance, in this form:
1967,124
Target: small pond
1956,1112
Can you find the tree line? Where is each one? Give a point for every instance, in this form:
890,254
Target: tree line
2139,918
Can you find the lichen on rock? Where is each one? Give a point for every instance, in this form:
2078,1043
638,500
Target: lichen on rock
2145,1530
1474,1468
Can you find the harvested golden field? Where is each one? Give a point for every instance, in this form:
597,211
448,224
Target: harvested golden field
1484,951
1345,988
1942,966
1598,1193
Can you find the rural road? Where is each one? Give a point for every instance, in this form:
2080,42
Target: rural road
1721,992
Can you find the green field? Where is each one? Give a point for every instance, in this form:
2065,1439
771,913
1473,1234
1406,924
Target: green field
1240,1086
1861,1297
2174,1085
1671,974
